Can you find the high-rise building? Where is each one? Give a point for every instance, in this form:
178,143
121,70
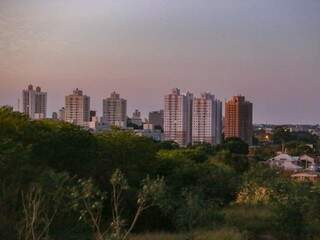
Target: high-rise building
93,115
206,119
94,123
238,119
156,118
115,110
77,108
178,117
34,103
136,118
62,114
54,116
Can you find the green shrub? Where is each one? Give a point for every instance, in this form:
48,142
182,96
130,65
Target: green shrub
252,219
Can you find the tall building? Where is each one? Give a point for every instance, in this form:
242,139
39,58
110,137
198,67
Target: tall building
93,115
34,103
115,110
206,119
77,108
178,117
54,116
238,119
62,114
156,118
136,118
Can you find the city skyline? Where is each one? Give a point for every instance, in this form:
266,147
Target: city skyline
144,114
268,51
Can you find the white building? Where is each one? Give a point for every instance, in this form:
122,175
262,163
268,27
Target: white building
206,119
62,114
115,111
178,117
149,132
77,108
285,162
34,103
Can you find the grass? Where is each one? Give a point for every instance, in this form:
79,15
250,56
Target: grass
221,234
255,220
240,223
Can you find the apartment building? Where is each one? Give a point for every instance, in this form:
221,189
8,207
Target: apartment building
238,119
115,111
178,117
77,108
206,119
34,102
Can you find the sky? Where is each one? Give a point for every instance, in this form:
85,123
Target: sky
266,50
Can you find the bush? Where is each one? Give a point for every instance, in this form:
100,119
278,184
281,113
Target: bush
251,219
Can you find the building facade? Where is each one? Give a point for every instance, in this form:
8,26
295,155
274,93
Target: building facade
55,116
178,117
115,111
34,103
238,119
77,108
136,118
62,114
156,118
93,115
206,119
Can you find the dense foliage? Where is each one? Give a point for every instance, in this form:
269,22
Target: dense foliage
84,185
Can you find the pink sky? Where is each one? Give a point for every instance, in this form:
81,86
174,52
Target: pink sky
267,50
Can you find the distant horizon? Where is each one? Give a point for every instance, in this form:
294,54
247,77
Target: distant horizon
144,114
267,51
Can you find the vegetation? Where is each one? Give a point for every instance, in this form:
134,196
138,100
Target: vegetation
59,181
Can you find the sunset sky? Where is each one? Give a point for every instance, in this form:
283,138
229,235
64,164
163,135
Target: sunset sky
267,50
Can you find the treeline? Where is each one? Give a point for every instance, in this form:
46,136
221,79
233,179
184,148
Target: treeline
59,181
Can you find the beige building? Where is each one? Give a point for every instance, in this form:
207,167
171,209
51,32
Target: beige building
238,119
178,117
77,108
34,103
115,111
206,119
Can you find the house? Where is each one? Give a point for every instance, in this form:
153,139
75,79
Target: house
310,176
285,162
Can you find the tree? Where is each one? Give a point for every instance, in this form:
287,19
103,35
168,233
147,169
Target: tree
64,147
40,205
124,150
168,145
283,135
89,201
194,212
297,148
236,146
289,213
238,162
